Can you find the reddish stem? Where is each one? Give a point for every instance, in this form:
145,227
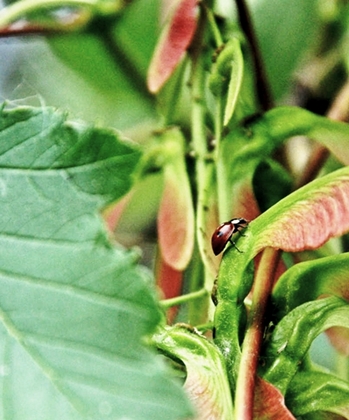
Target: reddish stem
253,339
30,29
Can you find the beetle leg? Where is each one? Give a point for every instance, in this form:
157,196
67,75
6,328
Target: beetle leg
234,245
241,227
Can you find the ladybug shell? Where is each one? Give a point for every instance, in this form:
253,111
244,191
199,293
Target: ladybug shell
221,236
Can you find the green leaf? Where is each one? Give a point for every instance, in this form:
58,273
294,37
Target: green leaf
227,74
176,213
285,29
311,392
112,56
308,280
206,381
74,309
237,70
255,140
293,335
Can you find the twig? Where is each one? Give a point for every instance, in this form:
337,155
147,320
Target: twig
262,86
245,385
338,111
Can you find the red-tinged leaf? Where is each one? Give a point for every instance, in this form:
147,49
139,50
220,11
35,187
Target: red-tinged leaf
269,403
307,218
169,280
200,394
176,220
176,212
113,214
206,382
174,40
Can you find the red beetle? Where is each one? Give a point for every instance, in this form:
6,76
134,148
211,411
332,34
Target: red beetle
222,235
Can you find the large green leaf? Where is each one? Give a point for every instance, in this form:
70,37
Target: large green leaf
73,308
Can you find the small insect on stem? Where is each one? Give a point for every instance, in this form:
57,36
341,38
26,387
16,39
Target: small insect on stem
223,234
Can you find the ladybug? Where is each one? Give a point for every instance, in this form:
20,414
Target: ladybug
222,235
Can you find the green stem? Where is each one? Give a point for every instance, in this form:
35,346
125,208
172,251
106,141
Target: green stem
198,134
19,9
205,327
245,385
204,167
179,300
204,175
223,196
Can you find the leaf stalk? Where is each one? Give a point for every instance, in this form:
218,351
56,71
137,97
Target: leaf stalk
245,385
